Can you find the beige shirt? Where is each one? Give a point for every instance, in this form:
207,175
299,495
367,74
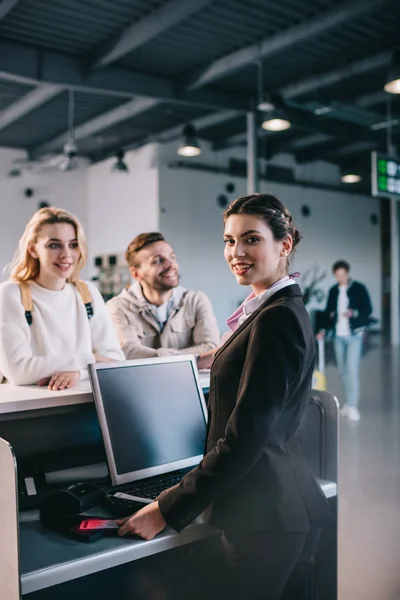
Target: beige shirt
191,327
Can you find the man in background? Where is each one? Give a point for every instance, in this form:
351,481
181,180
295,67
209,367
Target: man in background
156,316
347,315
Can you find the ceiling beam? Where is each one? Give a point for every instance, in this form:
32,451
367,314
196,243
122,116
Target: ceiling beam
315,139
362,103
154,24
355,148
374,98
359,67
6,6
302,118
227,65
237,139
28,64
172,133
131,109
27,104
331,150
201,123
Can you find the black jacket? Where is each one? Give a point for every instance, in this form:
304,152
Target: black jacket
359,303
254,476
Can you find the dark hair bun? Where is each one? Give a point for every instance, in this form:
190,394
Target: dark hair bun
296,235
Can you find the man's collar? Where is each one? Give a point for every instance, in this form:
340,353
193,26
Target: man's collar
176,296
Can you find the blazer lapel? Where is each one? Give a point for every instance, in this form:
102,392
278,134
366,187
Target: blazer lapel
290,291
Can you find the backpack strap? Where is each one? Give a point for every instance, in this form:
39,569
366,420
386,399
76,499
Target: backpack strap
26,299
84,291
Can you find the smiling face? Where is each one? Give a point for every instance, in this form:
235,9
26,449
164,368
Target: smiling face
156,268
252,253
58,253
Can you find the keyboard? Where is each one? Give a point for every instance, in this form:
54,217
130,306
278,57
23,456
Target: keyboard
152,488
147,488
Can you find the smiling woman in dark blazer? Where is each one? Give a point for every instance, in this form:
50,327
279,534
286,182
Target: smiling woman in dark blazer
253,482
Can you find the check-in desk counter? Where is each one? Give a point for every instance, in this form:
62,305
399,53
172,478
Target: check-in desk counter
60,430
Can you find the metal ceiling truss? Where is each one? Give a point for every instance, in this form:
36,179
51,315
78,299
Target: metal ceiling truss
146,29
6,6
270,46
54,71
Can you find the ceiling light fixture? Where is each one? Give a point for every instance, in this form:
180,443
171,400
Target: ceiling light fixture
265,102
350,178
275,124
190,145
323,110
120,165
392,85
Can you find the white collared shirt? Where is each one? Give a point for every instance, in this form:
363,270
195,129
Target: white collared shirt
254,302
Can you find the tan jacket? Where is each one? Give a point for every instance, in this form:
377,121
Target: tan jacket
191,327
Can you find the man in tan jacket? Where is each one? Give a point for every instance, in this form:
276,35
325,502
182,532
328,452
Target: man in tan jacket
156,316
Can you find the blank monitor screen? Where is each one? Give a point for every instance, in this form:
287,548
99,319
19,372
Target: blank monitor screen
154,414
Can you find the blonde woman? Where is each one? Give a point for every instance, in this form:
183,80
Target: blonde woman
52,325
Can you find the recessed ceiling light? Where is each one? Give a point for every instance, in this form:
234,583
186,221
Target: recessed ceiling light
276,124
350,178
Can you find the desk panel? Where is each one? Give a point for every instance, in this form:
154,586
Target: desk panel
48,558
57,559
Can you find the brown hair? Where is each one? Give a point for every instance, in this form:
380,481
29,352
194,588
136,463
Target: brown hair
24,266
269,209
140,242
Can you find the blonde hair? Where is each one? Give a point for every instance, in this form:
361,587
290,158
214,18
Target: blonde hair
24,266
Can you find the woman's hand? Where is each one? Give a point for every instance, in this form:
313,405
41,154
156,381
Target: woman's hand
146,523
206,360
61,381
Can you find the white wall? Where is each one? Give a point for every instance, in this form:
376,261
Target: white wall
122,205
338,227
66,190
114,207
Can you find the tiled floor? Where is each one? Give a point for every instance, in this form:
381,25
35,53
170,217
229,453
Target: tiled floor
369,484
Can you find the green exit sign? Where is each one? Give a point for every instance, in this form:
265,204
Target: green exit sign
385,176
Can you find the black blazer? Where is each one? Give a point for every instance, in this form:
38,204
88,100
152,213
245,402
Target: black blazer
359,302
254,476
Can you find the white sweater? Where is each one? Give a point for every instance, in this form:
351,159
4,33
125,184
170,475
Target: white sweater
61,337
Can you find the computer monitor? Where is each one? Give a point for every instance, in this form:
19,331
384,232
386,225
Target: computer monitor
152,415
